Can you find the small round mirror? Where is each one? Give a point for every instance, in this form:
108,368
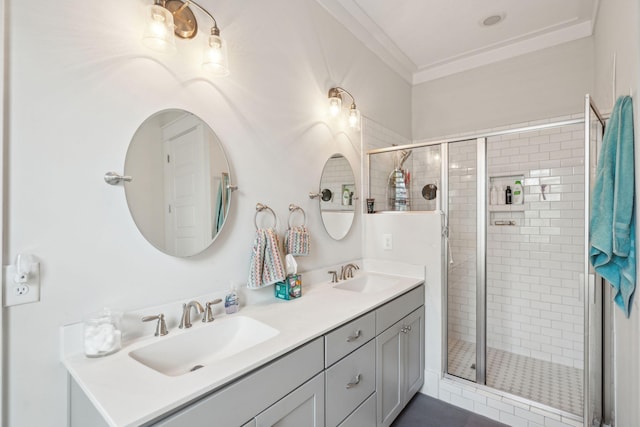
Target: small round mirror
179,196
338,196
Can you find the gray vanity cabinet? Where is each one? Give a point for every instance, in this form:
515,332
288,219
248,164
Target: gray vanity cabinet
270,388
302,407
400,365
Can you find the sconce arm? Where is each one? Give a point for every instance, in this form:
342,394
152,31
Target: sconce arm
214,30
340,90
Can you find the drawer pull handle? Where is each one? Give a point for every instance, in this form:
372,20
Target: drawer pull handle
354,337
355,383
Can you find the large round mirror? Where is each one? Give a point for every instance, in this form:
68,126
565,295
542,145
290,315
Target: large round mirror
179,196
337,196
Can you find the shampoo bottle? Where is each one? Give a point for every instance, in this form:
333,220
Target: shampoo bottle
345,197
493,195
507,195
518,193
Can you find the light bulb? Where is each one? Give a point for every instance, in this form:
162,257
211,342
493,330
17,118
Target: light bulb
158,29
354,117
214,58
335,105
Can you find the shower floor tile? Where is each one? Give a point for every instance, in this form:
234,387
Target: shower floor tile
549,383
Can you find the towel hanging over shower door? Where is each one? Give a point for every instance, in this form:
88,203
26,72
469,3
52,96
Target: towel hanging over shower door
612,249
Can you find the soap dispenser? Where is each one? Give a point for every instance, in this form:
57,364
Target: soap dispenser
231,301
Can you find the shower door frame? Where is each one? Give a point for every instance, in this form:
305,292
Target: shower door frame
481,236
481,230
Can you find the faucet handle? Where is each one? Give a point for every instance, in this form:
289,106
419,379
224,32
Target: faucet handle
161,326
208,315
334,276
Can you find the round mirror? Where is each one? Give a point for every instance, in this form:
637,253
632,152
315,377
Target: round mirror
338,196
179,196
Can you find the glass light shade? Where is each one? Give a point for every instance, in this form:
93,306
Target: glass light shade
354,118
214,59
158,29
335,106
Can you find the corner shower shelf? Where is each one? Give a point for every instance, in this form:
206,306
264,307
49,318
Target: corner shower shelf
506,208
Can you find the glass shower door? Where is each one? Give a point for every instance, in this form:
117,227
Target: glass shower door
461,211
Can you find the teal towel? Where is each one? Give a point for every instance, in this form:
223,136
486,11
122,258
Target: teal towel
612,229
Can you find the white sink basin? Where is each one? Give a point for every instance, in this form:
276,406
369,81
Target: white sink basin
203,345
368,283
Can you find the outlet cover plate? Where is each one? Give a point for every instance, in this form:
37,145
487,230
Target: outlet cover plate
20,293
387,242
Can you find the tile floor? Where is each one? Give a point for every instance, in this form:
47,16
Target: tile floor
425,411
548,383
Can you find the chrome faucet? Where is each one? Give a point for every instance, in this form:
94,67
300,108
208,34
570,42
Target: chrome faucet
347,271
185,321
334,276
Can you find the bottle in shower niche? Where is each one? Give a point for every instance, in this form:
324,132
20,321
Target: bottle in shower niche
502,195
508,196
493,195
518,193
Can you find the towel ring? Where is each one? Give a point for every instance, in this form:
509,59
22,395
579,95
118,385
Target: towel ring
292,209
259,208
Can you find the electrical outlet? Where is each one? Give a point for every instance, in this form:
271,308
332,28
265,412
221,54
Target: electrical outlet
24,292
387,242
20,290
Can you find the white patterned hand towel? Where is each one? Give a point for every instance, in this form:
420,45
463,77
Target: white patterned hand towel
297,241
266,267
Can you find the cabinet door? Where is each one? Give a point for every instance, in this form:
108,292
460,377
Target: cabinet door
414,360
302,407
389,374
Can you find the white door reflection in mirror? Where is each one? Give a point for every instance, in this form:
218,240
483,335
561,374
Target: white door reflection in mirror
187,191
179,197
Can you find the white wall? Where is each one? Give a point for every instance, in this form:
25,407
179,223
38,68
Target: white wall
547,83
416,240
80,83
616,32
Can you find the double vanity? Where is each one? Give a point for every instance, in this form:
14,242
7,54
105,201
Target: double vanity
349,353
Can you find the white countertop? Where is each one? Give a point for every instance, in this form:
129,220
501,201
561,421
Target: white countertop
127,393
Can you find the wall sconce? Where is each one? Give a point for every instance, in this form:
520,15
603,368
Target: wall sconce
166,19
335,106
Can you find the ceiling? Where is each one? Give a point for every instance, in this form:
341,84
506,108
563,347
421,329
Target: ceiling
428,39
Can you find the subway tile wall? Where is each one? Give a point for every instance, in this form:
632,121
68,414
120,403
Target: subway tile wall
380,165
423,165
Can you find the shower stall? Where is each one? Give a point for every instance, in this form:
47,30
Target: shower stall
523,314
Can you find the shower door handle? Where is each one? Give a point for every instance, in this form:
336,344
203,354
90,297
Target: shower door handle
592,286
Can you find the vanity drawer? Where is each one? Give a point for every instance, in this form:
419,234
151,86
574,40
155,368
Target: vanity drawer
364,416
349,337
349,382
395,310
